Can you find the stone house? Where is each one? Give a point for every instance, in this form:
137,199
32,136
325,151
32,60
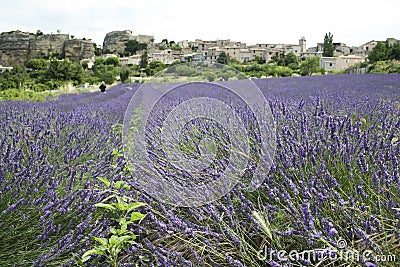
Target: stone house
273,52
205,45
245,55
193,57
165,56
339,63
367,47
232,52
212,54
311,53
258,52
131,60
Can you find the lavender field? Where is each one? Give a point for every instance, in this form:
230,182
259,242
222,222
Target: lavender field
333,191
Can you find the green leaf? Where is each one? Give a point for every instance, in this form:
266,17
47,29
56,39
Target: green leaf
117,153
135,205
136,216
113,231
118,184
102,241
124,226
144,258
121,220
122,232
121,206
124,238
133,237
105,181
114,240
263,222
104,205
114,166
86,256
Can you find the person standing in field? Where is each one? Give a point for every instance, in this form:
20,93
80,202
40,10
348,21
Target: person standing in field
103,87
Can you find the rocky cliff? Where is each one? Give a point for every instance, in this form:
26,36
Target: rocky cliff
46,45
17,47
114,42
14,48
77,49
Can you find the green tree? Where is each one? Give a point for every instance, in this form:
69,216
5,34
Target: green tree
65,70
97,51
280,59
328,47
384,67
104,72
112,61
222,58
7,81
99,61
282,71
378,53
132,46
394,51
85,64
309,66
259,60
155,67
37,64
144,60
176,48
124,75
19,76
291,61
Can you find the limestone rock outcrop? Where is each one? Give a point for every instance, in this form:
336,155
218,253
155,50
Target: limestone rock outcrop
17,47
114,42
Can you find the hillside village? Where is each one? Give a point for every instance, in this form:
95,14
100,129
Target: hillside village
199,50
17,47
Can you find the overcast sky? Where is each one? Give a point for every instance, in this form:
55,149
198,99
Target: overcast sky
250,21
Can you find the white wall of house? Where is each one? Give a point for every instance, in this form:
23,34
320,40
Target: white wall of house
296,49
212,54
244,55
258,52
232,52
165,56
339,63
131,60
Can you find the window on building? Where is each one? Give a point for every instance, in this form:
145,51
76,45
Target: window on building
330,64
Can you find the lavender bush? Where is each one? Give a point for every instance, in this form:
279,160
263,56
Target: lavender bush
334,185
